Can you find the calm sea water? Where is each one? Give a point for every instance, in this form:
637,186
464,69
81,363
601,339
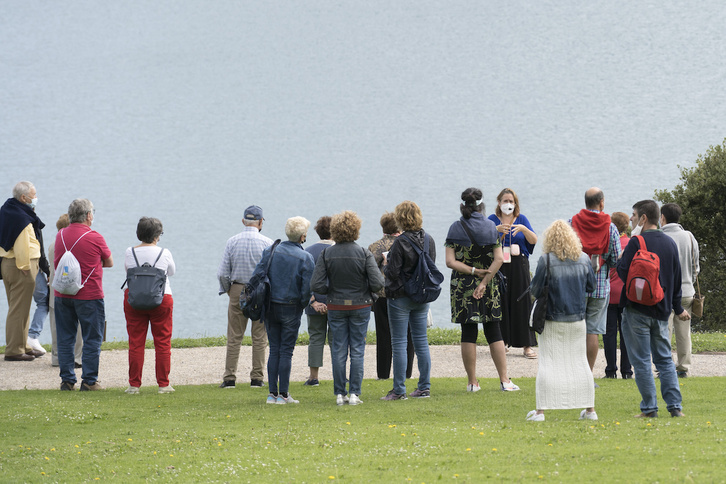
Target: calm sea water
191,111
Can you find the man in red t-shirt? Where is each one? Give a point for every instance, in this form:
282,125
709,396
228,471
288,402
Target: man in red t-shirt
85,307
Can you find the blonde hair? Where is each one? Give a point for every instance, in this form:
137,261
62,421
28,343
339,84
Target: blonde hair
560,240
408,216
296,227
345,227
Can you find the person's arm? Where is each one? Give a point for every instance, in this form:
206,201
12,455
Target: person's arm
526,229
308,266
459,266
394,261
491,271
108,262
21,247
623,265
615,251
319,280
537,285
375,278
170,265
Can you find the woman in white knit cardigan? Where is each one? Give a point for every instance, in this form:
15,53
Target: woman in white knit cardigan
564,379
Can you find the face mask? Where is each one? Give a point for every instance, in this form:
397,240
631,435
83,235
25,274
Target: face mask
33,203
507,208
636,231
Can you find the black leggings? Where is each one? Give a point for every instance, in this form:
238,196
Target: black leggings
470,332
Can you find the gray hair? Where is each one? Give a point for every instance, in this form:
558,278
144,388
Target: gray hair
78,209
22,188
251,223
296,227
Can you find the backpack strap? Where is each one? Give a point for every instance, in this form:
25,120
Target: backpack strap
136,259
157,257
74,244
416,247
641,241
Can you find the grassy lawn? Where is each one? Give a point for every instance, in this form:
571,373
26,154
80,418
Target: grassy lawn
202,433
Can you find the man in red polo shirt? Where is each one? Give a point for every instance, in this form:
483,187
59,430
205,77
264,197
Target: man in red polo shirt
86,307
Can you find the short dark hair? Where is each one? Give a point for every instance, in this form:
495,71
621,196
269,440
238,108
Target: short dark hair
593,200
148,229
672,212
469,199
648,208
388,223
322,227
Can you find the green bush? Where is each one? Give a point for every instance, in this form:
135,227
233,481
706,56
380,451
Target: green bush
702,196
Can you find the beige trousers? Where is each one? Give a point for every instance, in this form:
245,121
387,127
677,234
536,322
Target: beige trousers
19,289
236,326
682,331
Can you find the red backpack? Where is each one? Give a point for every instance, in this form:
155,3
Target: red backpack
642,285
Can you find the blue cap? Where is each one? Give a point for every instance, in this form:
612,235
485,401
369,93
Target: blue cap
253,212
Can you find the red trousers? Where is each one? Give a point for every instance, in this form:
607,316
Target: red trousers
137,325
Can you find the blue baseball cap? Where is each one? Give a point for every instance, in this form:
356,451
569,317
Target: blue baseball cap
253,212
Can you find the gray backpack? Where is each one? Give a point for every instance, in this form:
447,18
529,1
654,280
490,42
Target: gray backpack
146,284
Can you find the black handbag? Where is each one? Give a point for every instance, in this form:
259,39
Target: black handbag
255,298
539,308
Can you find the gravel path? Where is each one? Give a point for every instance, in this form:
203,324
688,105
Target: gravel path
198,366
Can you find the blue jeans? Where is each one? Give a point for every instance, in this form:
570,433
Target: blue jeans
91,315
646,336
40,296
402,314
348,329
282,323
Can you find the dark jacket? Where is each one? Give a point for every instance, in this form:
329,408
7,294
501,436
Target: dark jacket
670,274
290,271
569,283
348,274
402,260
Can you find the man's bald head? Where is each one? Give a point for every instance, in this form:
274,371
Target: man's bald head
594,199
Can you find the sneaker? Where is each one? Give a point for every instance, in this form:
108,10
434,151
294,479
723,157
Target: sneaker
653,414
354,399
473,387
420,393
35,344
167,389
67,386
312,382
533,416
682,374
597,386
132,390
227,384
509,387
341,399
585,415
85,387
284,400
394,396
256,384
271,398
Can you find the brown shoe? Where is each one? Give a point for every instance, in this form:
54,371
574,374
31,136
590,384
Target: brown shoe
677,413
35,353
652,414
22,357
85,387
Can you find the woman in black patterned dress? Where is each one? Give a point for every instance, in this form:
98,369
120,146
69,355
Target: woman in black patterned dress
474,255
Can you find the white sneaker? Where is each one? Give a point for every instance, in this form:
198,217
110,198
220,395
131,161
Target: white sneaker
132,390
585,415
354,400
533,416
167,389
285,400
341,399
35,344
509,387
473,388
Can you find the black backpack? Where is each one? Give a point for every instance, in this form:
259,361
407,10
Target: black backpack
255,299
146,284
424,284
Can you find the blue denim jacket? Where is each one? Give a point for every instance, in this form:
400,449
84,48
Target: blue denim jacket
569,283
290,272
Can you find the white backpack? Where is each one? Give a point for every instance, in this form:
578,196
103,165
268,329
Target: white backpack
68,273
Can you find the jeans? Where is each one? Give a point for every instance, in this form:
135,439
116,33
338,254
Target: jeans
610,342
40,296
348,329
91,315
402,314
282,323
646,337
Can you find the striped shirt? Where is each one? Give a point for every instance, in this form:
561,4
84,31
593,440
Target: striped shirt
241,255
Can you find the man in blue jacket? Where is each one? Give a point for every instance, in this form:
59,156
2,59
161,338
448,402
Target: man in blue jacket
646,327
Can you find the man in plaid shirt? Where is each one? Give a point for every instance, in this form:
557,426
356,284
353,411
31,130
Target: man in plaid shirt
241,255
601,241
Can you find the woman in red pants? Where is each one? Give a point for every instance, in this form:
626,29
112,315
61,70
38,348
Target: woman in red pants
149,230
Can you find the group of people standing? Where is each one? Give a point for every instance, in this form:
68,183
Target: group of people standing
338,283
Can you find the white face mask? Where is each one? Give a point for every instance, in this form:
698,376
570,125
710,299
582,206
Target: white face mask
636,231
507,208
33,203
